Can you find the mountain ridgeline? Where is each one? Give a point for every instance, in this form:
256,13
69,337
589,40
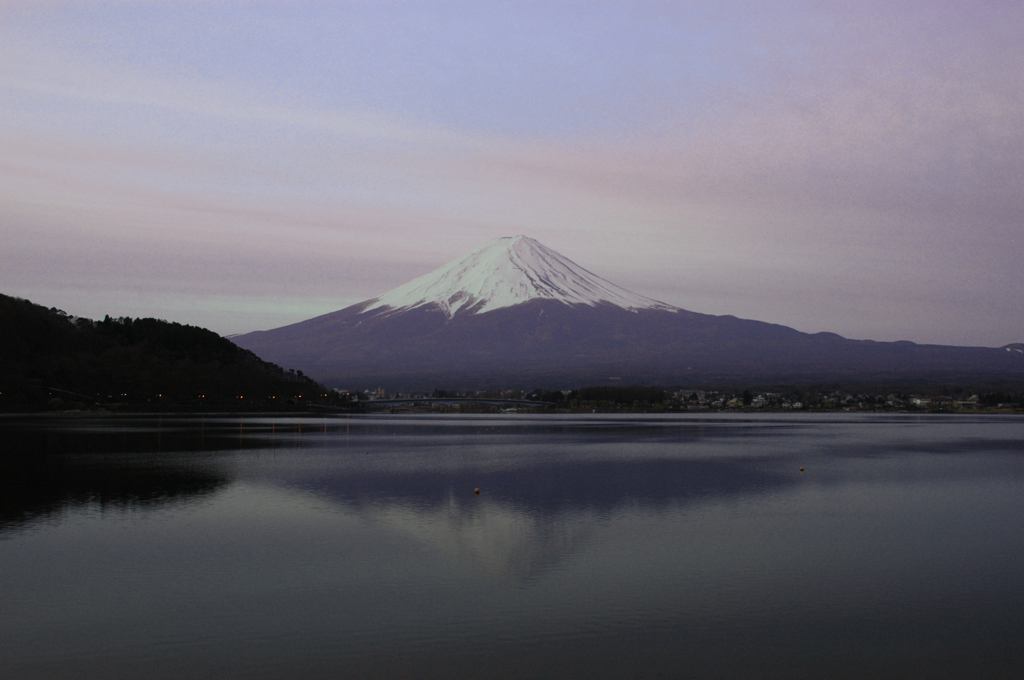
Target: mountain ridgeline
514,313
54,361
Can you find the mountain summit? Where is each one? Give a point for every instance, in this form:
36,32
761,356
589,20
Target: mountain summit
514,313
509,271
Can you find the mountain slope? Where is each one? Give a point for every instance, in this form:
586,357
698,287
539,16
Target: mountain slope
515,314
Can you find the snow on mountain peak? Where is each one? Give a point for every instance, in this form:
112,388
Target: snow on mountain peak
508,271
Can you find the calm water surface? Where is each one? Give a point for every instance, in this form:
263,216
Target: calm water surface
598,547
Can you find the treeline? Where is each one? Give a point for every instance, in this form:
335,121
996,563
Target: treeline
609,398
992,399
621,395
604,397
51,360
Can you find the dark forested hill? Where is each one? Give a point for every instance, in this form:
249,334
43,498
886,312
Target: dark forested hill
51,360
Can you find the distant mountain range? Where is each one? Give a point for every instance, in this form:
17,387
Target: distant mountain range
514,313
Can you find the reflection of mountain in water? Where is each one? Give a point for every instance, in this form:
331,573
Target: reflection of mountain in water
546,485
35,487
498,538
529,519
558,486
34,436
48,468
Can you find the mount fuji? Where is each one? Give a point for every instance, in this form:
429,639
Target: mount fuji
505,272
514,313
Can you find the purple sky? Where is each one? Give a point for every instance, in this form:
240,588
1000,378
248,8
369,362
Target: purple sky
854,167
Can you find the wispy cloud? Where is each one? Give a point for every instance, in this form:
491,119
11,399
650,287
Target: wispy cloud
837,166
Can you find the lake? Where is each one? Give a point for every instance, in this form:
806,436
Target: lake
691,546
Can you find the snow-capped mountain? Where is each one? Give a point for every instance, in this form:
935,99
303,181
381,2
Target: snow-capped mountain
514,313
509,271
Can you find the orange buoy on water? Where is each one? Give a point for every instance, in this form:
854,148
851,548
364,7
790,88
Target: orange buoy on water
801,469
476,491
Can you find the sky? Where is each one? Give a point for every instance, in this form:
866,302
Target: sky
852,167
